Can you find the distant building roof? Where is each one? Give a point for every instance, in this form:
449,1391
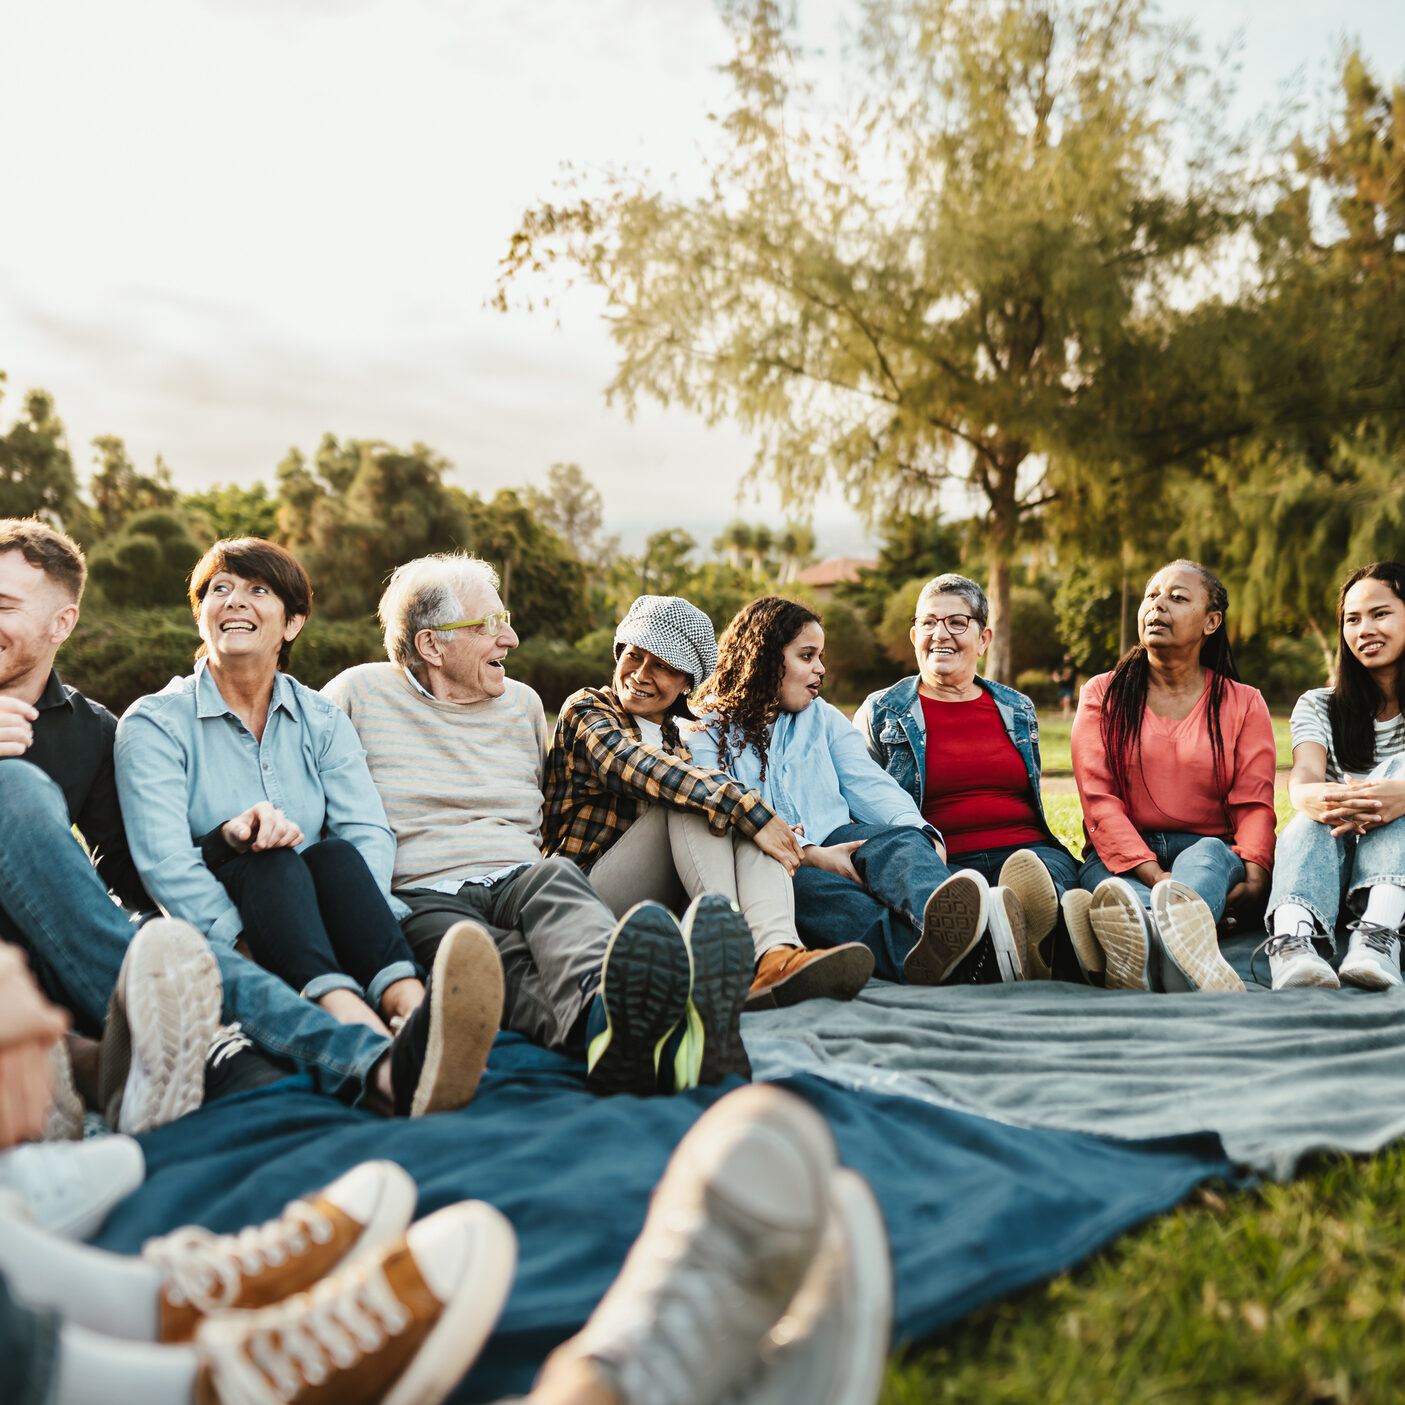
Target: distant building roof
839,570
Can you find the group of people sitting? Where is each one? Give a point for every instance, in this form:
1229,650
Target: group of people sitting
364,884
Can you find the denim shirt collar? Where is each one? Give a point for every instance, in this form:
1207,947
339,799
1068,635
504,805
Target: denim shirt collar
209,701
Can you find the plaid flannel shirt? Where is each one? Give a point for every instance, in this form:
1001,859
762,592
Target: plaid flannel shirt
600,774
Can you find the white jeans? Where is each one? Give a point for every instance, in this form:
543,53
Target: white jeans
667,853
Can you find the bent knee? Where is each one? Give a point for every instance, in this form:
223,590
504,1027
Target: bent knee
24,783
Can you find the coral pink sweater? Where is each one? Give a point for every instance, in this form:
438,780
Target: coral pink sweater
1175,788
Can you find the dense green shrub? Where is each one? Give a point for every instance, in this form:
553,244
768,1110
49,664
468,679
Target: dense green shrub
1038,686
117,656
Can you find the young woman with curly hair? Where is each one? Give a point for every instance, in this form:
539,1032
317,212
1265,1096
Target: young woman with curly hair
1174,759
1344,851
872,868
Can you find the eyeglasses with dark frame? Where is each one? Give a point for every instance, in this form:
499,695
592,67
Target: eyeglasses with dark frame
956,625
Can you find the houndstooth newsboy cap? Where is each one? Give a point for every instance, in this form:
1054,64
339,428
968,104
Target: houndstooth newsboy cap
674,630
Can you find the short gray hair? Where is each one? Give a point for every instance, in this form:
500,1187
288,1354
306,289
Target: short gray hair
965,587
425,592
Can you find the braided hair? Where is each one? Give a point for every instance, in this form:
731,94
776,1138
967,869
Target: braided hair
743,692
1355,697
1124,703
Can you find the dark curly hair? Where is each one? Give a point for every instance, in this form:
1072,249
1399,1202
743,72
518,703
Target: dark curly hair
743,693
1124,703
1356,699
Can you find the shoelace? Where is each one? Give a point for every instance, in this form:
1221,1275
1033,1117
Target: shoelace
206,1269
1376,936
335,1325
1285,944
229,1039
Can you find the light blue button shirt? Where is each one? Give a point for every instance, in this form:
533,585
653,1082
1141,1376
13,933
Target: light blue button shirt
186,764
818,773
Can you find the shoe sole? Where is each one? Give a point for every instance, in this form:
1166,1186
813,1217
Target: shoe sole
465,1012
469,1316
1005,922
952,922
1120,927
1030,882
165,1012
1310,977
1188,938
1365,977
645,979
1089,955
861,1363
724,965
837,974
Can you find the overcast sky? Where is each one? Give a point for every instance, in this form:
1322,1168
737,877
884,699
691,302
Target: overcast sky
230,225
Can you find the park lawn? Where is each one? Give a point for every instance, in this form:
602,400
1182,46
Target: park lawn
1286,1293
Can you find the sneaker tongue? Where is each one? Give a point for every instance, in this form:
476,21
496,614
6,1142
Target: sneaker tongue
407,1051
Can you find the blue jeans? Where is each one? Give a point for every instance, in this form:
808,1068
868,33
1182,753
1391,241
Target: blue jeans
1200,861
1062,866
899,869
53,904
1330,876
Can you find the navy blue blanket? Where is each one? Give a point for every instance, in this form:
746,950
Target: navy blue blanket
975,1209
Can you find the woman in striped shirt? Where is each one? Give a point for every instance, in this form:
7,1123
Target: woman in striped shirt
1345,848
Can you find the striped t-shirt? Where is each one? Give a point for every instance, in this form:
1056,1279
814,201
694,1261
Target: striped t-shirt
1311,723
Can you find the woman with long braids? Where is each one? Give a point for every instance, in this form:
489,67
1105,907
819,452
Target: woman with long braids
1174,759
1345,848
872,869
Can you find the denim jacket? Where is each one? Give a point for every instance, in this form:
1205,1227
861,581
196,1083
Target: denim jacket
895,731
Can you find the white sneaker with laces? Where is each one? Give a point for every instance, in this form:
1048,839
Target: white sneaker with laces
400,1328
1295,962
1373,958
1190,945
831,1347
70,1188
732,1228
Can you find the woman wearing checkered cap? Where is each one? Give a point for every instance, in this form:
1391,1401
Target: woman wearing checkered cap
625,801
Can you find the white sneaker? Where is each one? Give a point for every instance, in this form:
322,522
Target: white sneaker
1008,939
162,1016
1025,875
70,1188
1190,945
1373,958
399,1328
1075,904
831,1347
1120,924
1293,961
732,1229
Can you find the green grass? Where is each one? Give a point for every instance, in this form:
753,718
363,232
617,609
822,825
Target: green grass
1286,1293
1289,1293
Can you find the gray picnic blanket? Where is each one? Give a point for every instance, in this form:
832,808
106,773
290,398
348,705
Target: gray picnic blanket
1276,1075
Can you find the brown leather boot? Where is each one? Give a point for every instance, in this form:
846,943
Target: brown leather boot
786,975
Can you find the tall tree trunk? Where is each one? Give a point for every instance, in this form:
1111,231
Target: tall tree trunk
1329,650
1004,519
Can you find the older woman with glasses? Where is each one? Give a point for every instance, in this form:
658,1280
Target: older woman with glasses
966,749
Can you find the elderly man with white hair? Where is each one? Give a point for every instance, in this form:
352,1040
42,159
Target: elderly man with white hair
456,749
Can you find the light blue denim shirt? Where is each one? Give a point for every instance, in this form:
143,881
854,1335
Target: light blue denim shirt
186,764
894,729
818,773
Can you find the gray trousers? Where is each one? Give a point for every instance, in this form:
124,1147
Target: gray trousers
551,931
671,855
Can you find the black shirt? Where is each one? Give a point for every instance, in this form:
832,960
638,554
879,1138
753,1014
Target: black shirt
73,746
